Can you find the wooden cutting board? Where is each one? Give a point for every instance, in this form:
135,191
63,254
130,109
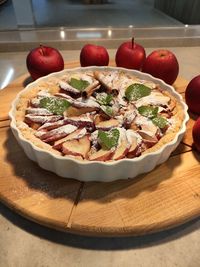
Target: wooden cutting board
164,198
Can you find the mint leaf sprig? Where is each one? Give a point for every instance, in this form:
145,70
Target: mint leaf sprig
55,105
79,84
108,139
104,99
136,91
152,113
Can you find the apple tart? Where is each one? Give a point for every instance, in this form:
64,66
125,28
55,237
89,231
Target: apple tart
98,115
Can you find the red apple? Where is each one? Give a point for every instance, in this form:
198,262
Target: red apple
130,55
192,95
94,55
196,134
44,60
162,64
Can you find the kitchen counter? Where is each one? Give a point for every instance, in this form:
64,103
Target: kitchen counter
24,243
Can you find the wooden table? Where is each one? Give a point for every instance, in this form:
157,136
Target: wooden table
164,198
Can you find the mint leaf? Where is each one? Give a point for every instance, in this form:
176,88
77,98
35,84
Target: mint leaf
160,122
136,91
104,99
107,110
79,84
55,105
108,139
148,111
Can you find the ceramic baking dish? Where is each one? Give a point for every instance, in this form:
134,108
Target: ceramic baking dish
96,170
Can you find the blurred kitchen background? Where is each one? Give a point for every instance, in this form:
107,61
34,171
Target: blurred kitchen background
69,24
23,14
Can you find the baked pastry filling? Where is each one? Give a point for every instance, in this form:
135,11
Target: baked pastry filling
101,115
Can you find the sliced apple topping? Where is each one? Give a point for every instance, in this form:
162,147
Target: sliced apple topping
68,98
155,119
41,119
77,134
155,99
35,102
101,155
135,141
38,111
172,105
68,88
78,147
129,117
107,125
73,111
115,81
52,125
80,121
149,84
89,102
148,139
122,146
57,133
101,115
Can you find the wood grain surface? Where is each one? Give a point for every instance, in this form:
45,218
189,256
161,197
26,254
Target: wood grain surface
164,198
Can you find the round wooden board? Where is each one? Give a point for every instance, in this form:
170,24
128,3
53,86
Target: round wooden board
164,198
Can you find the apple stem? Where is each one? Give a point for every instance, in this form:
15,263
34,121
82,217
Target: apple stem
132,42
42,50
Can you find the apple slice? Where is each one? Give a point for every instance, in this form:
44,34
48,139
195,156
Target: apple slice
63,95
52,125
41,119
35,102
172,105
122,147
121,150
134,126
68,88
101,155
148,139
107,125
135,141
89,102
80,121
73,111
77,147
129,117
34,125
97,119
79,133
38,111
57,133
149,128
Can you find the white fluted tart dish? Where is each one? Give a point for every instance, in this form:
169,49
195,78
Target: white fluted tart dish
98,123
